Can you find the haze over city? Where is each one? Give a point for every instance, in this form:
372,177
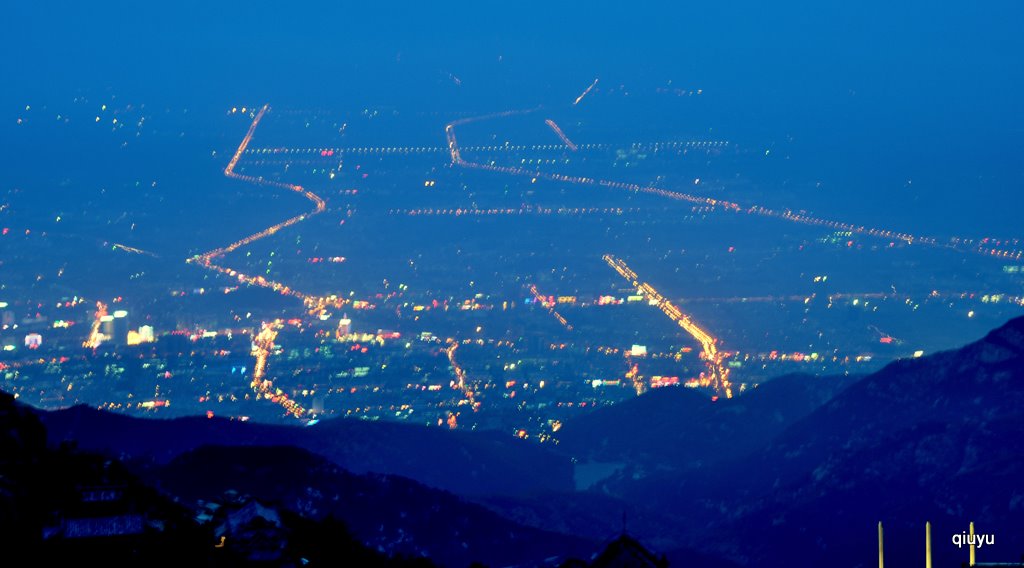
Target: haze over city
522,285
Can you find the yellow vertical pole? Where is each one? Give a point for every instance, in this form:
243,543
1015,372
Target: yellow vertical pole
972,544
881,554
927,545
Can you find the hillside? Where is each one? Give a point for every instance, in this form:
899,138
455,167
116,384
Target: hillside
62,506
937,438
391,514
676,428
467,463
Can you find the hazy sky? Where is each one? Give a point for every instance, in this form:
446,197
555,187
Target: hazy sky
943,51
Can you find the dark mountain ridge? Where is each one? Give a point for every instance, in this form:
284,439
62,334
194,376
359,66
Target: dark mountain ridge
675,428
467,463
937,439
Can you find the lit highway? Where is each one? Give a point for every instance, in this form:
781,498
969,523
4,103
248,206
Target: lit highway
262,347
522,210
558,132
585,93
315,304
263,343
133,250
460,383
717,376
550,306
292,154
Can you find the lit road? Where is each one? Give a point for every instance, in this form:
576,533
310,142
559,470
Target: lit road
558,131
315,304
460,382
983,247
717,376
133,250
264,341
550,306
262,347
294,154
522,210
585,93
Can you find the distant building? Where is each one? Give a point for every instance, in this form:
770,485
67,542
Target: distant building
344,326
98,512
33,340
120,328
107,327
143,335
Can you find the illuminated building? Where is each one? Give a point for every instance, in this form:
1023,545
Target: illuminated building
143,335
658,381
638,351
120,328
107,326
344,326
33,340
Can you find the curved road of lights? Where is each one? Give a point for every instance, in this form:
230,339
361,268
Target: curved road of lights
264,341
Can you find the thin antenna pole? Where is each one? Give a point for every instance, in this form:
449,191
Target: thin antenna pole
927,545
881,553
972,544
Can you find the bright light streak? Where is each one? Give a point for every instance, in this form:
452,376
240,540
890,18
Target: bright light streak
262,347
584,93
547,303
134,250
558,131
